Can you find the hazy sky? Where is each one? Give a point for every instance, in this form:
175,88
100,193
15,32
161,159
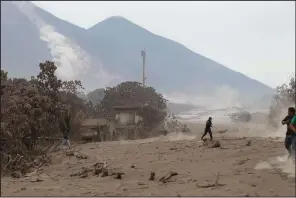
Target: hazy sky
255,38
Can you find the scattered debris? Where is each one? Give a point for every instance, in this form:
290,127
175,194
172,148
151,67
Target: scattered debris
249,143
99,168
35,172
105,173
152,176
216,144
166,179
76,154
222,131
16,174
171,123
82,173
215,184
241,162
35,179
211,144
141,183
206,139
118,175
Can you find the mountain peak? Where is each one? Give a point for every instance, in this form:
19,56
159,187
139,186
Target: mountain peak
118,18
114,21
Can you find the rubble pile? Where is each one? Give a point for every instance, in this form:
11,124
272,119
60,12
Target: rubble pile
19,166
98,169
172,124
211,144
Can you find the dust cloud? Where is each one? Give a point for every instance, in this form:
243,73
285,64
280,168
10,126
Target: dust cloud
281,163
172,136
222,97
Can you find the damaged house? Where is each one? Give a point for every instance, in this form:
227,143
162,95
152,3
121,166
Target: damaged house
127,120
98,129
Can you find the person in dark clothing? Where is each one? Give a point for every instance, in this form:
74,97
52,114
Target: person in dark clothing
65,125
208,129
289,132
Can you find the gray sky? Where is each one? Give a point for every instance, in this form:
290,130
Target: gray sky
255,38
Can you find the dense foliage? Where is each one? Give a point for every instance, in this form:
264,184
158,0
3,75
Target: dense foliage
283,98
152,104
45,107
96,96
32,110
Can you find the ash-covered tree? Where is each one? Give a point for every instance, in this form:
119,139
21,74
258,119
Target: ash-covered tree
152,104
96,96
283,98
32,109
3,80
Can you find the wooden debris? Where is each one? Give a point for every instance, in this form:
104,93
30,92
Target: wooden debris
152,176
35,179
104,173
82,173
118,175
241,162
165,179
215,184
16,174
76,154
98,168
249,143
222,131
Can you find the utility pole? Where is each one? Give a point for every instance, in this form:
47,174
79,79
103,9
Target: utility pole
143,54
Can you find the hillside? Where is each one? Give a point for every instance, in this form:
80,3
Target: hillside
113,47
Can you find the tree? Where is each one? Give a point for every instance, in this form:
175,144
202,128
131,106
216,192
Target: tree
3,75
3,80
96,96
153,105
32,110
283,98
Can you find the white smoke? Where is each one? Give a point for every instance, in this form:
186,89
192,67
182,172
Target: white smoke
222,97
71,60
